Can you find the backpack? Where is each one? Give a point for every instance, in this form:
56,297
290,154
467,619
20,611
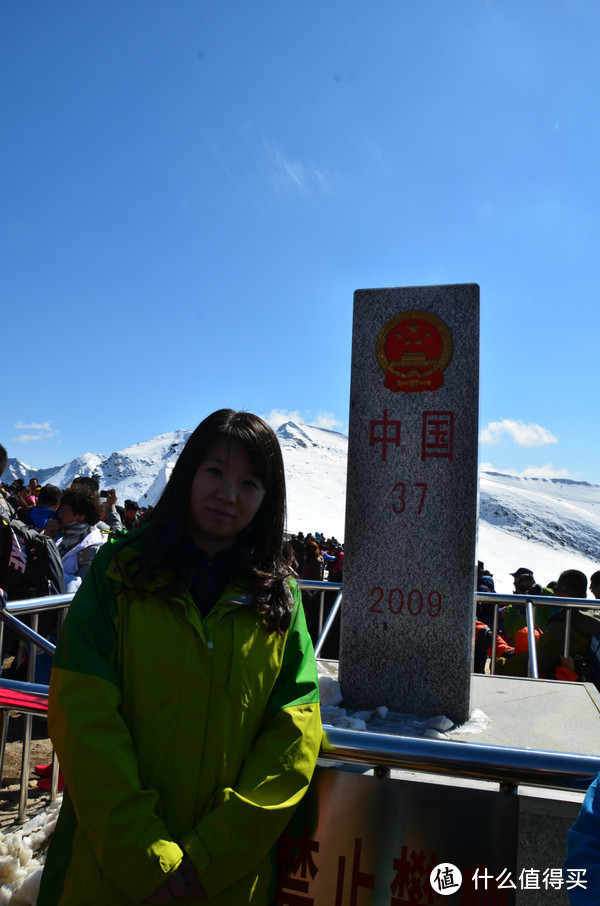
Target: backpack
30,564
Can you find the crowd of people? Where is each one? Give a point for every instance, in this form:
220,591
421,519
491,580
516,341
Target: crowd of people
317,558
79,519
512,642
48,539
204,597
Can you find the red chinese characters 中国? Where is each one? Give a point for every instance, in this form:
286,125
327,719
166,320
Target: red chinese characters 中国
384,437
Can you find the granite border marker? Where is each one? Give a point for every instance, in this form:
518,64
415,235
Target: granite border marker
412,501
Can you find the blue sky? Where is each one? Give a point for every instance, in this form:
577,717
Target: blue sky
191,191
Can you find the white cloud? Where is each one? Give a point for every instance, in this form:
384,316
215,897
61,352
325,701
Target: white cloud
547,471
522,435
288,172
277,417
36,426
326,420
43,431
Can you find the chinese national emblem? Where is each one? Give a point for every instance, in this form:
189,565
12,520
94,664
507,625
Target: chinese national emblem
413,350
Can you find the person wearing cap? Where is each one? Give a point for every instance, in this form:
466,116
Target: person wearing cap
550,646
523,580
131,511
514,616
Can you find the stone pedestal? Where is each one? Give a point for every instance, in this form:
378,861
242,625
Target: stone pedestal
411,504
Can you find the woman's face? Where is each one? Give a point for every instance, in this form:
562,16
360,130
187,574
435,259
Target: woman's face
226,495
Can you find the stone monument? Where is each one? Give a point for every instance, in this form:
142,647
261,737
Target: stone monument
411,503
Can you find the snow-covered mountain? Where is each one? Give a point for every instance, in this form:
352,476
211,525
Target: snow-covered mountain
139,472
545,524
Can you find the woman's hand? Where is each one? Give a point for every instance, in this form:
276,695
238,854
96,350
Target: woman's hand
183,884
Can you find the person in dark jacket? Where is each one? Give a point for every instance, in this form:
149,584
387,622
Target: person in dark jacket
585,623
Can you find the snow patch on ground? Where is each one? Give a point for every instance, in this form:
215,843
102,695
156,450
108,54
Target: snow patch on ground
22,855
382,720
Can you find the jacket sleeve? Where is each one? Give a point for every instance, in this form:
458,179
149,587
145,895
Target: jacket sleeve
583,851
113,520
120,818
246,820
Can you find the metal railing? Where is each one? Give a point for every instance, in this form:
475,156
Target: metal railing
322,587
530,602
501,764
508,766
27,698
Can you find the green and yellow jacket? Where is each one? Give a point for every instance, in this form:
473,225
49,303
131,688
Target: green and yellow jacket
175,734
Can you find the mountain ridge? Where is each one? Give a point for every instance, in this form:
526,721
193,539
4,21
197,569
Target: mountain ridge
551,522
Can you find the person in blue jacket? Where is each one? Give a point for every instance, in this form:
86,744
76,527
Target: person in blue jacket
582,865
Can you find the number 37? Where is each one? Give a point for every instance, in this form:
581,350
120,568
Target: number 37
400,500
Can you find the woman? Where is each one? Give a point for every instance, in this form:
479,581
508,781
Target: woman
184,701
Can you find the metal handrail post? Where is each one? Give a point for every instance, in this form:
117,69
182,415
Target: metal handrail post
54,777
25,765
331,617
4,719
568,616
495,621
533,664
28,727
321,612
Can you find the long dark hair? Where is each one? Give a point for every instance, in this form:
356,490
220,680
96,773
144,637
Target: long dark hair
166,540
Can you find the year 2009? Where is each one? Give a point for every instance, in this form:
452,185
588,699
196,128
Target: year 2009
413,603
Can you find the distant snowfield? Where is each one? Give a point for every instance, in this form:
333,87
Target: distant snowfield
315,469
503,553
545,525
